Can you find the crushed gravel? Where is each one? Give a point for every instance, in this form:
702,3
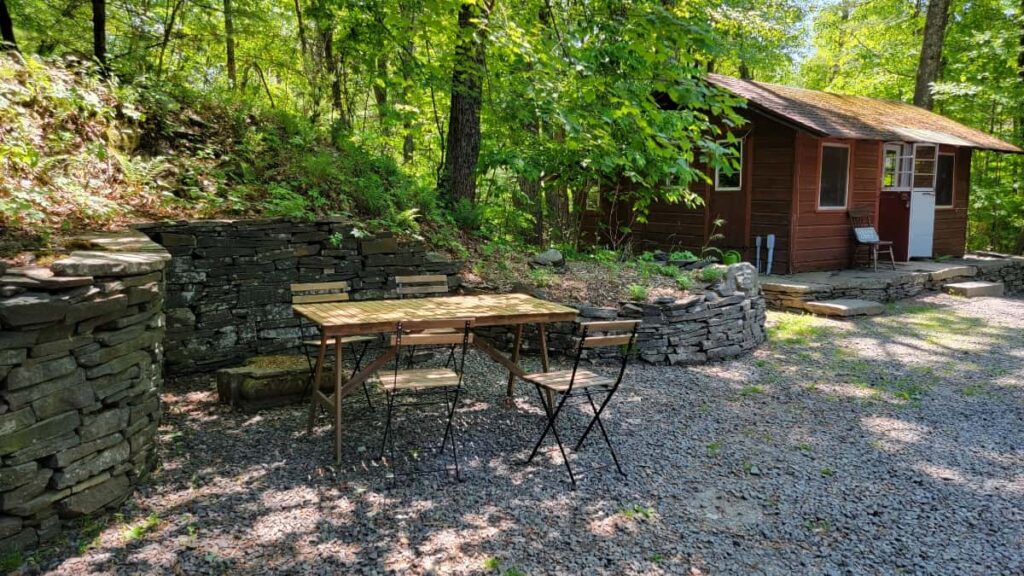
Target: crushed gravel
892,444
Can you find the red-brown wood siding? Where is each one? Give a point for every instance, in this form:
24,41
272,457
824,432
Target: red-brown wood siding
951,223
822,239
771,196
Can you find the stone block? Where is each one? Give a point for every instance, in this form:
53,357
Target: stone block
89,263
38,433
975,289
32,308
42,449
9,525
845,307
28,491
19,542
73,397
13,476
66,457
96,497
118,364
60,346
103,423
87,467
264,382
378,246
37,371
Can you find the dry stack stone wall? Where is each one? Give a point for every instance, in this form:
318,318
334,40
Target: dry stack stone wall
228,295
724,321
80,376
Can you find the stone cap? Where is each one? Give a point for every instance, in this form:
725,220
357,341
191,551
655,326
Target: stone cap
128,253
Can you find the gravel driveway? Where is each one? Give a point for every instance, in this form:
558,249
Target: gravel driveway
886,445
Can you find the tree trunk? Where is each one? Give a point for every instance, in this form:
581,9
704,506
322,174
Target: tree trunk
6,29
931,52
745,72
380,94
229,43
99,32
458,176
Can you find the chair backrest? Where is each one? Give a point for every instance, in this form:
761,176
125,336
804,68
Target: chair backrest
421,284
454,334
604,334
860,216
319,292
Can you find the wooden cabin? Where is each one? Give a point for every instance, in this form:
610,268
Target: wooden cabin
807,157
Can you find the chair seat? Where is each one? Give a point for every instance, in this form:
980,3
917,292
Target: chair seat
344,340
417,379
558,381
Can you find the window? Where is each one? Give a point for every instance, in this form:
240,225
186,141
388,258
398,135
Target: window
897,167
733,180
924,165
944,181
594,199
835,176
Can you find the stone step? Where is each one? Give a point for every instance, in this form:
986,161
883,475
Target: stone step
974,289
844,307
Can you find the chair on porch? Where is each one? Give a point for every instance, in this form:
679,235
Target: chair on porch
424,285
866,239
327,292
580,383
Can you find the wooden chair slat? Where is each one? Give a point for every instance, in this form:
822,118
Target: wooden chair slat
403,290
430,339
602,341
309,286
610,325
319,298
422,279
452,323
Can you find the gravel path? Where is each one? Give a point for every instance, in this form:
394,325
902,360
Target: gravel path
886,445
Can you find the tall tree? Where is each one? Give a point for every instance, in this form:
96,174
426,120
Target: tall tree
99,31
7,41
458,176
931,52
229,43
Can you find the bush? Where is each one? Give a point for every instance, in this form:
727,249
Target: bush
712,273
684,282
637,292
467,215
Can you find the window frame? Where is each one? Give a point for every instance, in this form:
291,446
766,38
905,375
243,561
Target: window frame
821,165
903,178
738,172
935,166
952,183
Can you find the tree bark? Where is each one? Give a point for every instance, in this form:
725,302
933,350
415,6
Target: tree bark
458,176
99,32
7,41
931,52
229,43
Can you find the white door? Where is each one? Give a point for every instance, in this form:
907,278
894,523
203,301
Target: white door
922,223
922,201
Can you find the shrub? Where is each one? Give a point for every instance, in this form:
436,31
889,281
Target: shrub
467,215
637,292
684,281
712,273
542,277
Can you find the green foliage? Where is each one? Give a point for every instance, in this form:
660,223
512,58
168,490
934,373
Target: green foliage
684,281
682,256
712,273
637,292
542,277
468,216
141,529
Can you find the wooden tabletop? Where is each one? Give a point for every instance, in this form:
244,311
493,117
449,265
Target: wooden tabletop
360,317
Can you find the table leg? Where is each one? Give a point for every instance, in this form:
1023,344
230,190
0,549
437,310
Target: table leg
516,345
317,379
338,370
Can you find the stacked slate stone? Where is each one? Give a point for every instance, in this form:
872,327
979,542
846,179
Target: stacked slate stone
228,293
725,321
1009,270
80,376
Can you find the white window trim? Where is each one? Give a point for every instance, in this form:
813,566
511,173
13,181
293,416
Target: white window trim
904,157
738,172
821,161
935,166
952,193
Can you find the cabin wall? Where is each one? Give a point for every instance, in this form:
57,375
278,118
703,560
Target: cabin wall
951,223
771,198
821,237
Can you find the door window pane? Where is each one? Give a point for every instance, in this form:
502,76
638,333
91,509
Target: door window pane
944,181
890,170
924,166
835,171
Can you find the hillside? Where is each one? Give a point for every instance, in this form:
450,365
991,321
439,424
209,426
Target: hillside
81,152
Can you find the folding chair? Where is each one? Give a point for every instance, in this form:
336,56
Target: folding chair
583,383
425,386
423,285
326,292
866,236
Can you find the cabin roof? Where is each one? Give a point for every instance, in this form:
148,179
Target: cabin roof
858,117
